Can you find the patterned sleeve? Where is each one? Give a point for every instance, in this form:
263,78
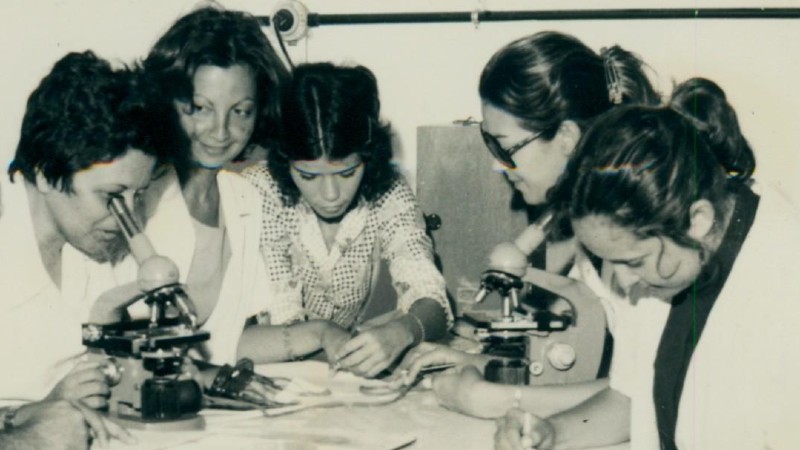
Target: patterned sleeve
286,303
409,250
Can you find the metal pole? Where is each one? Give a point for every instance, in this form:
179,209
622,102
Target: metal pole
591,14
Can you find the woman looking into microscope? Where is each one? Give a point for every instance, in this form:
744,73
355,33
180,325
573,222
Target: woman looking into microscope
539,95
665,196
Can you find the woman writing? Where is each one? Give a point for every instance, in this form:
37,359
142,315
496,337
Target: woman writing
333,207
664,195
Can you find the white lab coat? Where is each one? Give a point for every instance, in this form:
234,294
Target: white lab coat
40,324
741,389
244,290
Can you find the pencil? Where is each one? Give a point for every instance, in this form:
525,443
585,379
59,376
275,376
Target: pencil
435,368
527,427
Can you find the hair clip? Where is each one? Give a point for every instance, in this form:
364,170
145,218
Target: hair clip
612,78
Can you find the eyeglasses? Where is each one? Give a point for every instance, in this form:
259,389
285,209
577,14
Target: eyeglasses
503,155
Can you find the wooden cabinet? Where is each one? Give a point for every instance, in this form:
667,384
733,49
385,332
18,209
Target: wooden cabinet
476,205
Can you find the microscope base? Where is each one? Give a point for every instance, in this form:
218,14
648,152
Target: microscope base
191,423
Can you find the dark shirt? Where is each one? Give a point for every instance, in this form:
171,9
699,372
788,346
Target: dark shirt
689,314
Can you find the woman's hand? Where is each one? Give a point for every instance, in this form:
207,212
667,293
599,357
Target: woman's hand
67,424
86,383
429,354
332,338
373,350
458,390
520,430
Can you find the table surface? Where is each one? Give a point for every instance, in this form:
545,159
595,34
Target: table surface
415,422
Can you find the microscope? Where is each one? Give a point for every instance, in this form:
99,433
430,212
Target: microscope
545,343
154,384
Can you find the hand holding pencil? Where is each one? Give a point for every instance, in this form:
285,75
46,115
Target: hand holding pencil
373,350
521,430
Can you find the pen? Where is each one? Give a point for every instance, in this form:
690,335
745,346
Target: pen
424,371
527,426
435,368
334,369
337,365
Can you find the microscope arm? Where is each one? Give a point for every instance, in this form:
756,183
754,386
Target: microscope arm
575,292
111,306
534,234
158,276
512,257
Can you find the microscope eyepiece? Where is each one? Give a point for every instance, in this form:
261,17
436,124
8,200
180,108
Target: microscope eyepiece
123,216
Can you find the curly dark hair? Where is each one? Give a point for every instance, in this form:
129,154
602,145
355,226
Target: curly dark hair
221,38
333,112
82,113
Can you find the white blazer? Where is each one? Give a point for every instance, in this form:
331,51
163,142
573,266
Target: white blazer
244,290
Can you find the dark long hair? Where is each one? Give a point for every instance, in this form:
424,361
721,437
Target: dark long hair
333,112
216,37
643,167
549,77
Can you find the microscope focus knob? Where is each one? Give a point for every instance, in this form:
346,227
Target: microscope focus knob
561,356
157,271
536,368
112,372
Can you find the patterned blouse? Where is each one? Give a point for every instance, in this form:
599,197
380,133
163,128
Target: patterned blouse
310,281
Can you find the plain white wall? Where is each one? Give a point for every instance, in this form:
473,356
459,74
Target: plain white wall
428,72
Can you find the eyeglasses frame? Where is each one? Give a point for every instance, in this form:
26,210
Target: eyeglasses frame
504,155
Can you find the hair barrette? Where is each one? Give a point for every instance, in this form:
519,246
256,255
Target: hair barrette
612,78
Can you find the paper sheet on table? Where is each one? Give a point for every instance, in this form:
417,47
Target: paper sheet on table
345,389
